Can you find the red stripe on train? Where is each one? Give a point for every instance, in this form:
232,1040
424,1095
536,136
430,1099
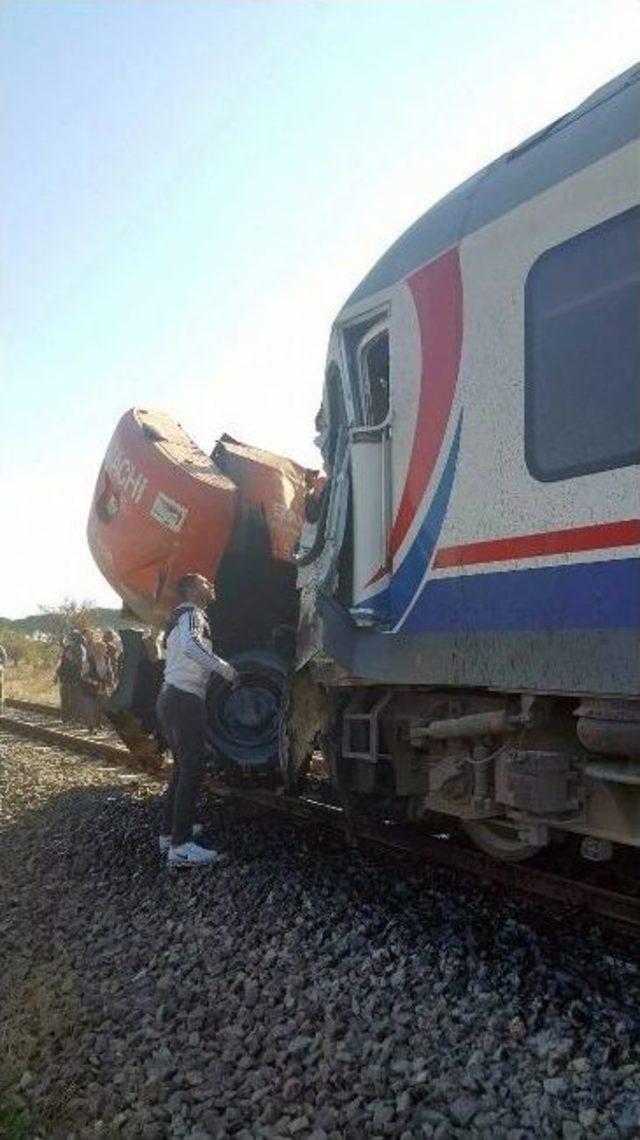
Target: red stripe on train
600,536
437,295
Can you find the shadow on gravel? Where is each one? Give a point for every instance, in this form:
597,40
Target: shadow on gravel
301,985
49,891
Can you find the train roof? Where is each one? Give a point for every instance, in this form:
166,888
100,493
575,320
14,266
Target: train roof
607,120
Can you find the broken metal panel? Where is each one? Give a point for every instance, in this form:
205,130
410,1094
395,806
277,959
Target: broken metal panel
161,508
270,486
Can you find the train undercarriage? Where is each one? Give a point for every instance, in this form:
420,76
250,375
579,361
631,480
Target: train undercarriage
515,772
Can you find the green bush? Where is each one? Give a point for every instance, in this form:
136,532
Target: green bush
22,650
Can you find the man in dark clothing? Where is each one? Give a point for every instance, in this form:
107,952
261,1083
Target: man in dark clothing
3,662
69,676
113,642
190,661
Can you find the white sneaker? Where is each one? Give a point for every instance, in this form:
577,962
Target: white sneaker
164,841
191,855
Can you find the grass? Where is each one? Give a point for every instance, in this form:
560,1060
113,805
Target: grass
39,1011
39,1008
31,682
14,1122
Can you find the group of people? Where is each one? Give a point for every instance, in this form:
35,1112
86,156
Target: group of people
88,672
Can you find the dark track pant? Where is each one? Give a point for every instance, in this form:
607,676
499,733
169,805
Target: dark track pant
70,697
181,717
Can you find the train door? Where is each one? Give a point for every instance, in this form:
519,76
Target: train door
368,350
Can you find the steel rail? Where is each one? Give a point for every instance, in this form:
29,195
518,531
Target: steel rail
397,838
70,742
32,706
413,840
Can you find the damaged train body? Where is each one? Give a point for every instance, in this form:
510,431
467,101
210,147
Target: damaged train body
467,603
163,508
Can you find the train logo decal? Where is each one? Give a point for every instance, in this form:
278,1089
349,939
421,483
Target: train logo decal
168,513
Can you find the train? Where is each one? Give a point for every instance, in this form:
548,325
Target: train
453,620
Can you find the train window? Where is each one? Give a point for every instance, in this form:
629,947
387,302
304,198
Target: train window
374,376
582,352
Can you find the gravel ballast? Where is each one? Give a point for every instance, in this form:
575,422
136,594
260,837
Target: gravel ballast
301,989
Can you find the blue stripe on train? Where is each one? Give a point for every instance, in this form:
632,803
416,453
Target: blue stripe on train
583,595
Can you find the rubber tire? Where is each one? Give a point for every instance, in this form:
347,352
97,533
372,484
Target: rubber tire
252,752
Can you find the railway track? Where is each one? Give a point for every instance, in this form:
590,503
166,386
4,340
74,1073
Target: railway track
36,721
33,720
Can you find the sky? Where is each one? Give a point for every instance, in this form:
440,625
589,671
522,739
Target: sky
190,190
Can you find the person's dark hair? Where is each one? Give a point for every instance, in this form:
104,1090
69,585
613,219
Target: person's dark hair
184,584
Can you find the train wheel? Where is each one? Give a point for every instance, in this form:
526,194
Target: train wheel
499,838
244,722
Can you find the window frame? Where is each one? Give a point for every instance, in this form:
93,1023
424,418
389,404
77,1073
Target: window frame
575,469
352,334
376,330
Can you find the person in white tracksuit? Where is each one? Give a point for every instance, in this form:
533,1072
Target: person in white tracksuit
190,661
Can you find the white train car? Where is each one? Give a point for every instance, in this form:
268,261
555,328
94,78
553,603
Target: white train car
469,638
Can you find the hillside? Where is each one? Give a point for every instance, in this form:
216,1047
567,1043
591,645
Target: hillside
101,617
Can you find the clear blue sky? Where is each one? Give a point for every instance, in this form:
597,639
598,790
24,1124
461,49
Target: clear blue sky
190,190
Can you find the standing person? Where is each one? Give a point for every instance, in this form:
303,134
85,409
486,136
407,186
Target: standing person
113,642
190,661
69,676
151,646
105,675
148,682
3,662
93,680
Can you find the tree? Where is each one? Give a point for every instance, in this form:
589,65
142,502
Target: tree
70,614
25,650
